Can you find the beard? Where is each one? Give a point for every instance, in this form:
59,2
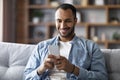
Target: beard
68,33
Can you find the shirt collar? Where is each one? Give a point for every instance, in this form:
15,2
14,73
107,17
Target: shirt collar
72,41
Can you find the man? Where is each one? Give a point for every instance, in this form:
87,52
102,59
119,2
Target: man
79,59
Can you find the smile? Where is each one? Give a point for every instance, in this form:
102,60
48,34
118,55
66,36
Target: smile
64,30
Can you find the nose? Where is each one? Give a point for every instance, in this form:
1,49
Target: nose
62,24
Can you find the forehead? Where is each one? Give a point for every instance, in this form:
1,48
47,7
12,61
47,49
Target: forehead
61,14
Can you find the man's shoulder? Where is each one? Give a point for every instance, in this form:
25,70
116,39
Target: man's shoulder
88,44
85,41
47,42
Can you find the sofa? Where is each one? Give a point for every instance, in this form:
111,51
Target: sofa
14,57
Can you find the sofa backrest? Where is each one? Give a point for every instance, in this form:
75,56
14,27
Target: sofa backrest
13,59
112,58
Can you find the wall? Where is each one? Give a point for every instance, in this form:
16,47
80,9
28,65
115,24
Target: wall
1,20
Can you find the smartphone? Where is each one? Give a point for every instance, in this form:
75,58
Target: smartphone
54,49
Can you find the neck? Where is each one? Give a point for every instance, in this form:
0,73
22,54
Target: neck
66,39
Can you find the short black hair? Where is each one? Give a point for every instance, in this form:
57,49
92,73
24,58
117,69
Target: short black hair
67,6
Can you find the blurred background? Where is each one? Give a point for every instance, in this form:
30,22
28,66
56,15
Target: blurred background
32,21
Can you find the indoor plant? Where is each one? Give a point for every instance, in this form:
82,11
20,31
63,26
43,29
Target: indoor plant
37,16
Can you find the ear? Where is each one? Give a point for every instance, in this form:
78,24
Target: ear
75,20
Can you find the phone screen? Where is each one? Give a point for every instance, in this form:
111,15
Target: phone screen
54,49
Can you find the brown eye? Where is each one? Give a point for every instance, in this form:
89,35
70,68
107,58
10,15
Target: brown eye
59,21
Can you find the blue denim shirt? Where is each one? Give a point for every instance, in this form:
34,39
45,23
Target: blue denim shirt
84,54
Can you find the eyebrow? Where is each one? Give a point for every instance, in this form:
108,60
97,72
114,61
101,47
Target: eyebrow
65,19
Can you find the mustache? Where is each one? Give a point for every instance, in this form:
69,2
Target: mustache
65,28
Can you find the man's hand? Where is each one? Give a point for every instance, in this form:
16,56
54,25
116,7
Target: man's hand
47,64
63,64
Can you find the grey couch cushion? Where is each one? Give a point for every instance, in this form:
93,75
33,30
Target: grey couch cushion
13,59
112,58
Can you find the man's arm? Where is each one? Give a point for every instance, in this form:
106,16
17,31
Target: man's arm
97,70
34,62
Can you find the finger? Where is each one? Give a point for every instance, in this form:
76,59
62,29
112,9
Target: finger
62,58
49,60
59,67
51,56
57,57
62,63
49,65
58,62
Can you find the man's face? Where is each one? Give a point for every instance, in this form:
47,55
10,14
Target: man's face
65,22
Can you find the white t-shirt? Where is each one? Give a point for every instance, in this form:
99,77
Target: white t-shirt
65,48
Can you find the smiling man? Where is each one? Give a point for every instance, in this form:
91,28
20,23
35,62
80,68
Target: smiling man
65,23
78,59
